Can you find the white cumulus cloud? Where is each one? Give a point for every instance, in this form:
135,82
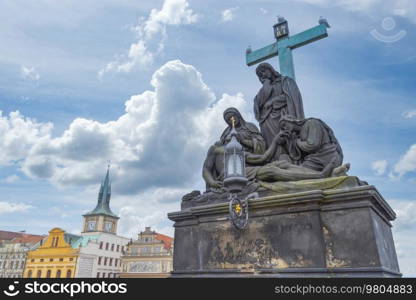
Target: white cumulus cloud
228,14
407,162
409,114
29,73
151,36
17,136
160,141
379,167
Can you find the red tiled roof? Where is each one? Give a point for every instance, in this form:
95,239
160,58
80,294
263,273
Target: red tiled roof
9,235
19,237
167,240
28,238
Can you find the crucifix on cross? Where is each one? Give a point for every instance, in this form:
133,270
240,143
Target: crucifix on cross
285,44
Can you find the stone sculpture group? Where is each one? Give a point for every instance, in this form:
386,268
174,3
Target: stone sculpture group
287,148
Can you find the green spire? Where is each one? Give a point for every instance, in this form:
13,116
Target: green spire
104,195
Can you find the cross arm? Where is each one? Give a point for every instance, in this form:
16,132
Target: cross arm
306,37
261,54
303,38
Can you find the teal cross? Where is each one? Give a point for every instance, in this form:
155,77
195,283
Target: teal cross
284,45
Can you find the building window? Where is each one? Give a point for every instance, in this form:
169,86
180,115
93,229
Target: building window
48,274
108,226
110,262
41,260
11,265
50,259
112,247
22,264
29,274
71,259
58,274
118,248
68,274
145,250
91,225
32,260
61,259
103,275
55,242
115,262
101,247
105,261
122,248
39,275
106,246
98,274
99,261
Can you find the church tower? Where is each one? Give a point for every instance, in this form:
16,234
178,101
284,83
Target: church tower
102,219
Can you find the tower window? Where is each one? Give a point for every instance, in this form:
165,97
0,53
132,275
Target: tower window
91,225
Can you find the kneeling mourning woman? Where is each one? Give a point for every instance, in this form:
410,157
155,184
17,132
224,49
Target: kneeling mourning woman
247,134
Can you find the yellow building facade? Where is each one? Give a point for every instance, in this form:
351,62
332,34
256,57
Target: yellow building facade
55,258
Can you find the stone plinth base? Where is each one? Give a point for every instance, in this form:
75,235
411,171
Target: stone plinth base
331,233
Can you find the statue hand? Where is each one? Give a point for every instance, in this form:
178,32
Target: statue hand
216,184
281,138
265,81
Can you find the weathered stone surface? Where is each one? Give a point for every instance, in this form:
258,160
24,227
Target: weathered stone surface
338,232
265,189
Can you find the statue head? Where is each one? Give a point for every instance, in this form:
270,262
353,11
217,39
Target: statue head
232,113
289,123
266,71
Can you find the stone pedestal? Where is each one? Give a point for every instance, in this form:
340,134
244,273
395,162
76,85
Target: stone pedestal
331,233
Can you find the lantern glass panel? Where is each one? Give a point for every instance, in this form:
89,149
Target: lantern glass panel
238,167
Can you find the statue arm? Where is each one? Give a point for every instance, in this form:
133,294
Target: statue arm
209,164
258,159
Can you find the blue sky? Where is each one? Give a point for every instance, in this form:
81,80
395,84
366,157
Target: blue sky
144,84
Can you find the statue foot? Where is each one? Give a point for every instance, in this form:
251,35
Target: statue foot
341,170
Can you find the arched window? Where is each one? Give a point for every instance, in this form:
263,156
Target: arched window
58,274
29,274
39,275
48,274
68,274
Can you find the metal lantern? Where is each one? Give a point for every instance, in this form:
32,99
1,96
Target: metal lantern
281,28
234,164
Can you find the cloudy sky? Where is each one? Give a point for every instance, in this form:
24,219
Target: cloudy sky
143,84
